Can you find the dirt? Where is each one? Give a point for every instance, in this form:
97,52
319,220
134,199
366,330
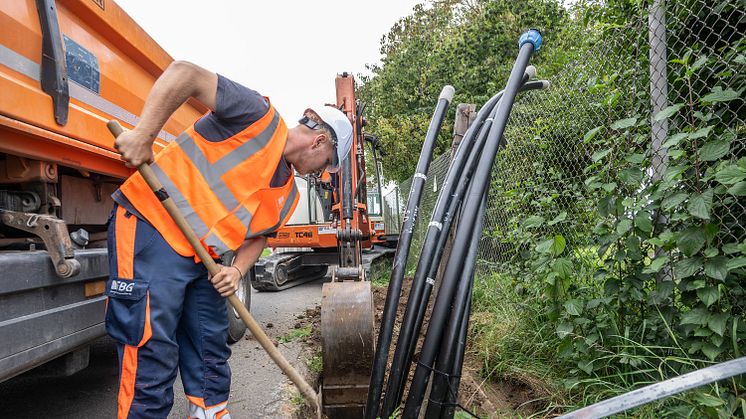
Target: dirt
311,318
484,397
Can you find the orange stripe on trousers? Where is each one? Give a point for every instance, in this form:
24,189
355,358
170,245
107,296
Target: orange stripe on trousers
125,237
127,381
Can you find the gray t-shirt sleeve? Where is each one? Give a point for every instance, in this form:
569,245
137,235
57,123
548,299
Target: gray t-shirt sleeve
236,108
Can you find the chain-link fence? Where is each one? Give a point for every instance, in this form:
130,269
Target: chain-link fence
656,99
619,200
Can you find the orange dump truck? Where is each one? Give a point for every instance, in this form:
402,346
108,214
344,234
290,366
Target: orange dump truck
66,68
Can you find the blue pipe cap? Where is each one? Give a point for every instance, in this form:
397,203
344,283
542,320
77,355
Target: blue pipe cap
533,36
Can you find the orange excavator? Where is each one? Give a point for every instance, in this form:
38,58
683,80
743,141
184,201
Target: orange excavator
333,223
332,227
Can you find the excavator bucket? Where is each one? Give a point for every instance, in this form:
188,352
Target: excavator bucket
347,347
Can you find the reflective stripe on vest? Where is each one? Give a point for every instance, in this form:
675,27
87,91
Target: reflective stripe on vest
221,188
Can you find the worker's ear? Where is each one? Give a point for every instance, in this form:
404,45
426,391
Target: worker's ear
319,140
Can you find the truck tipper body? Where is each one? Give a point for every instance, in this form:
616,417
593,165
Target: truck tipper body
66,68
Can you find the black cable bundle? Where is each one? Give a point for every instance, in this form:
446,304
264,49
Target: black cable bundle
465,188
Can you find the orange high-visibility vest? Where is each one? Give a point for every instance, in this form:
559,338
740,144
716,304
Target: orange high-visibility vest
222,188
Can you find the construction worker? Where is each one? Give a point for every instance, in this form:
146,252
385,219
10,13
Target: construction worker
231,175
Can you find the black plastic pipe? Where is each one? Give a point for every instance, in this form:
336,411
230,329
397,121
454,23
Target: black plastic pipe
449,403
529,42
447,221
448,353
464,154
402,253
448,202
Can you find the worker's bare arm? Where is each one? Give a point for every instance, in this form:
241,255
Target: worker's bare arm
249,253
179,82
226,281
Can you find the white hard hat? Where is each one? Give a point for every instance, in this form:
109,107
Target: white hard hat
341,128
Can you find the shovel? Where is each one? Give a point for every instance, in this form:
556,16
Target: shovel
213,269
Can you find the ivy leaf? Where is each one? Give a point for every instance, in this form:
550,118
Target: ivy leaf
564,329
730,248
631,176
675,139
736,263
554,246
643,222
698,316
558,245
700,205
714,150
730,175
739,189
708,295
685,268
574,307
695,285
656,265
674,200
717,323
717,268
691,240
563,267
624,123
599,155
712,352
699,63
609,187
533,221
586,366
636,158
701,133
591,134
708,400
558,219
711,230
720,95
623,226
673,171
668,112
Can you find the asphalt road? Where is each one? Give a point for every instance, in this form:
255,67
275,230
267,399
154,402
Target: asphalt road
259,389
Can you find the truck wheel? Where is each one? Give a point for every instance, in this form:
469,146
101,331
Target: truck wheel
236,327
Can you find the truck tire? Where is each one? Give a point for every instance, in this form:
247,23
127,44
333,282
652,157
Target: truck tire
236,326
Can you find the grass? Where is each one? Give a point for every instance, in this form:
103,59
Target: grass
513,338
315,364
516,342
295,334
380,271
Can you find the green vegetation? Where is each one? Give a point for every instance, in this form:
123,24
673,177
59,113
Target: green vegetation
295,334
380,271
315,364
608,262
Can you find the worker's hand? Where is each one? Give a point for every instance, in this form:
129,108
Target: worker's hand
135,147
226,281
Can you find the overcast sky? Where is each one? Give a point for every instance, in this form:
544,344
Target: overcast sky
287,50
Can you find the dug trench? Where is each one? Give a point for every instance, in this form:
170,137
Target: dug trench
480,394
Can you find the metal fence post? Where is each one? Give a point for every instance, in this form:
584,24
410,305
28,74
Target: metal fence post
658,101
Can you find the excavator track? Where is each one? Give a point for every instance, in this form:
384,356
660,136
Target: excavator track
280,271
